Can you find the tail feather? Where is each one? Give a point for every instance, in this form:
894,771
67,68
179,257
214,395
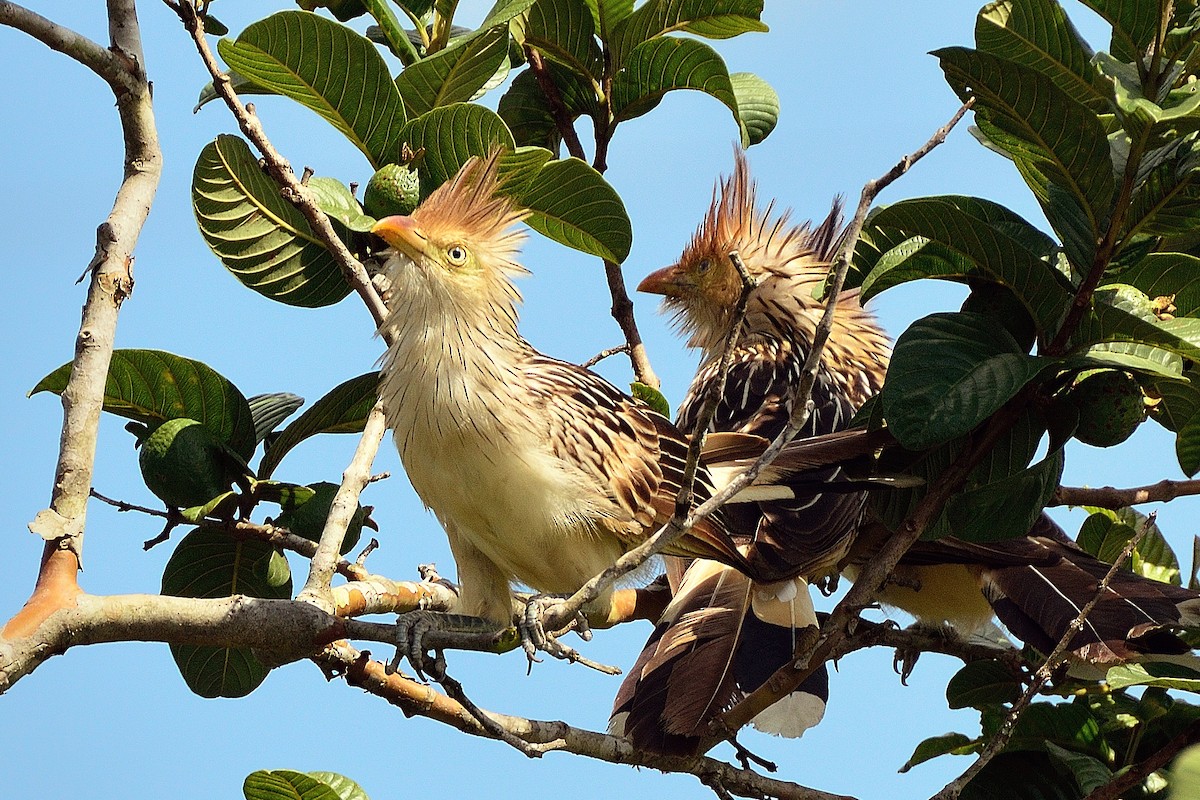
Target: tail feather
709,651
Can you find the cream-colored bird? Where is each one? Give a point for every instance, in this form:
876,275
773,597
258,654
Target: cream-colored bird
541,472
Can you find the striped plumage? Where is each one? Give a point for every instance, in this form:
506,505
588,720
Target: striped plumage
541,472
723,636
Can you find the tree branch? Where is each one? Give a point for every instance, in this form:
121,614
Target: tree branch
1131,778
118,73
554,101
1110,497
1043,674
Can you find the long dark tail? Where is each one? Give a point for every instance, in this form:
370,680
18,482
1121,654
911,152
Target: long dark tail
720,639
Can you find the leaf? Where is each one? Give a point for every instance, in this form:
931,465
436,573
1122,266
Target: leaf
346,789
1185,774
1105,533
1163,274
712,19
1166,676
286,784
328,68
239,83
456,74
335,200
608,14
1053,140
972,238
1089,773
758,105
504,11
958,744
451,135
658,66
260,237
1008,507
948,373
572,204
1038,35
152,386
1166,199
982,683
525,110
651,397
268,410
1179,412
1020,776
565,31
1134,25
1134,357
343,410
1068,725
210,564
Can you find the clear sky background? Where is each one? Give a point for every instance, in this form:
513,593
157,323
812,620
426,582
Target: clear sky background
858,91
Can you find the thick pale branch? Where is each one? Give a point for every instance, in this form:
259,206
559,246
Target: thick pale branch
99,59
1110,497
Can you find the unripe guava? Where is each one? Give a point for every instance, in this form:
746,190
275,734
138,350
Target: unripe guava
392,190
185,464
1111,406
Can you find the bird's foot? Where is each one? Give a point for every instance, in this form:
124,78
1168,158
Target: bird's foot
544,620
414,627
904,661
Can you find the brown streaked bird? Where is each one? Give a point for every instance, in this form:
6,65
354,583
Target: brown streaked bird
1036,584
541,472
723,636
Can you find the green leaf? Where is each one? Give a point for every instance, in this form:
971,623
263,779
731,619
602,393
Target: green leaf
712,19
1053,140
608,14
268,410
1166,676
525,110
972,238
505,11
1021,776
1038,34
1162,274
261,238
1089,772
328,68
982,683
346,789
1185,775
948,373
343,410
1134,357
1134,25
240,84
1105,533
565,31
211,564
1167,200
457,74
286,784
947,744
758,105
152,386
1006,508
1179,412
651,397
1068,725
658,66
451,135
335,200
572,203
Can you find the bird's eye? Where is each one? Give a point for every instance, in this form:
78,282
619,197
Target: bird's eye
457,254
704,266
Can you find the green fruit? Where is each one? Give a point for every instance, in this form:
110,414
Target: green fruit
1111,406
185,464
1001,304
308,518
392,190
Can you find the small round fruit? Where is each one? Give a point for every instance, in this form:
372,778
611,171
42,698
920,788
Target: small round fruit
185,464
308,518
1111,406
392,190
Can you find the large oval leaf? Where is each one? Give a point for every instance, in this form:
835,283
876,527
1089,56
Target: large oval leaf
572,203
261,238
1105,533
658,66
152,386
565,31
451,135
327,67
758,105
343,410
713,19
210,564
982,683
525,110
949,372
286,784
456,74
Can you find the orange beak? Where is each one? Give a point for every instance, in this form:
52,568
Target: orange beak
402,233
669,281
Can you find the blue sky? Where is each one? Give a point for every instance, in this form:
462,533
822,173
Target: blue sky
858,91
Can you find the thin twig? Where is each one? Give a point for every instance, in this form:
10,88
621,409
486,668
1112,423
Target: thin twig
454,690
622,312
605,353
554,102
292,190
345,503
1043,673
